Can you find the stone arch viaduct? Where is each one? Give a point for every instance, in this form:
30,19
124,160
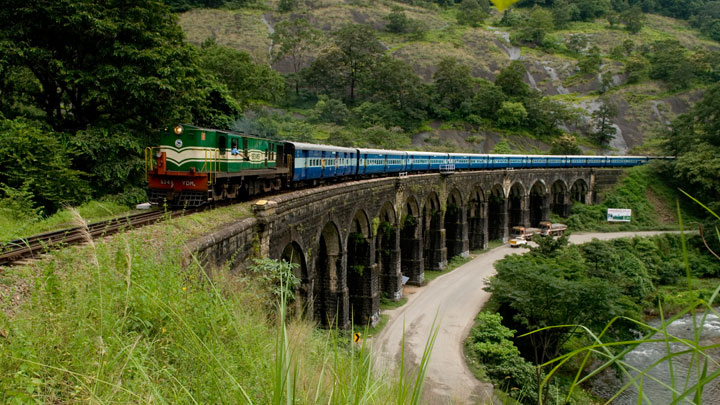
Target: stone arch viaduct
356,241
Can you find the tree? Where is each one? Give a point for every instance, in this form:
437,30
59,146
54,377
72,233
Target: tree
512,114
38,161
695,143
246,80
538,24
565,145
287,5
453,84
295,39
394,84
563,13
603,117
398,22
488,99
669,62
109,73
590,62
510,80
536,292
358,49
633,18
472,12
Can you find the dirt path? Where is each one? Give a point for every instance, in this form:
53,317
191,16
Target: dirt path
456,298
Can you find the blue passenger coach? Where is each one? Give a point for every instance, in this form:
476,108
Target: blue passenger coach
376,161
313,161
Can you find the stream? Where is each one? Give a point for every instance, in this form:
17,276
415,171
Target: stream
683,367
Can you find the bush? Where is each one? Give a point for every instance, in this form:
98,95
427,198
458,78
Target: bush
38,165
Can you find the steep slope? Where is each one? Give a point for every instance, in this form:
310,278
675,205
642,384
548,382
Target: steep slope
643,108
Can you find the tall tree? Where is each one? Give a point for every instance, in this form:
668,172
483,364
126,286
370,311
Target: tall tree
246,80
633,18
538,24
452,83
108,72
358,49
110,60
296,39
603,117
510,80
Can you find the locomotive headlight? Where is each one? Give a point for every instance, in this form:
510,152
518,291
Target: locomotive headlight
178,130
158,155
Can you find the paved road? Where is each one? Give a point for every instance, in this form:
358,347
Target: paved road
456,297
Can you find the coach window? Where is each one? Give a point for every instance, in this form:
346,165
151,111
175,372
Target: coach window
222,144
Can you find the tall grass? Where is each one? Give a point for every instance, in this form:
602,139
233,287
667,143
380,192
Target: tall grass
612,354
121,320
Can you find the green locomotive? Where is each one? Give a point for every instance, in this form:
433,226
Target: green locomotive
195,165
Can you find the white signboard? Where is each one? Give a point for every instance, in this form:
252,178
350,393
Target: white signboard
619,214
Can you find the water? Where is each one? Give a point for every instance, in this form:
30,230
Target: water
271,31
683,368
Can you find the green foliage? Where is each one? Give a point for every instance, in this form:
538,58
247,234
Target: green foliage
533,30
490,345
472,12
502,147
669,63
693,140
453,84
590,62
563,13
603,118
245,80
287,5
512,114
125,321
329,110
279,278
565,145
37,165
633,18
510,80
105,74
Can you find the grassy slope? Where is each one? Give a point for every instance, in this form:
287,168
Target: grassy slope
480,48
12,227
123,320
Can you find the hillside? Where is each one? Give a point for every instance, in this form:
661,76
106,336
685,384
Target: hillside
644,108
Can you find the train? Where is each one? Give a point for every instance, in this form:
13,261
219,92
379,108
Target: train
194,166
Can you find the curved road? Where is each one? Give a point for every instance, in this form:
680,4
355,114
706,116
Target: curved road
456,298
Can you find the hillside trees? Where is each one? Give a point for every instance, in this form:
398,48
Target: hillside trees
295,39
245,80
603,118
106,73
695,142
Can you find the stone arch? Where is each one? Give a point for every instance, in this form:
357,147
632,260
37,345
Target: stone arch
455,224
539,203
477,219
433,234
560,199
412,264
293,253
579,191
497,213
360,270
387,252
330,288
516,205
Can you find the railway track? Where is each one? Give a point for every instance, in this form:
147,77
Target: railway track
33,246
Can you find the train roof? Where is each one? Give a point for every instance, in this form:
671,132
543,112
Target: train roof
320,147
383,151
419,153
